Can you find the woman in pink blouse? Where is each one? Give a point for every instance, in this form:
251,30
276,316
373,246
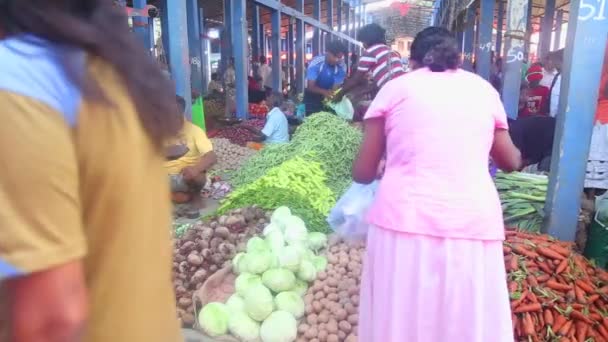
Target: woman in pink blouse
434,269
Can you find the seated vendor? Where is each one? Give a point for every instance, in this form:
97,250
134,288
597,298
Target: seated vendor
190,156
276,128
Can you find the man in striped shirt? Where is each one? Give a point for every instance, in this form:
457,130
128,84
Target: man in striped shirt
378,60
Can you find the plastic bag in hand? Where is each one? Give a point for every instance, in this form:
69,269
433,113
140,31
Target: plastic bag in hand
347,218
343,108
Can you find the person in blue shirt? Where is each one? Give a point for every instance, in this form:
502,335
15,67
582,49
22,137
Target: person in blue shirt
325,73
276,128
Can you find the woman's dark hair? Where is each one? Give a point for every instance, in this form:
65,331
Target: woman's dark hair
336,47
101,29
436,48
372,34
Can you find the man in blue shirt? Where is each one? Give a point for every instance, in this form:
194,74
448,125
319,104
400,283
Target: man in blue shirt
324,74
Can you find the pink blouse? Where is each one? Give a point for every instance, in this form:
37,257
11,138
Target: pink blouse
439,130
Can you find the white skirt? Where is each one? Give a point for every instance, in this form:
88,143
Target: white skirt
418,288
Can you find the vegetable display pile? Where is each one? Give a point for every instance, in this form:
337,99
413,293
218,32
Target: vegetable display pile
230,156
522,196
208,246
257,123
332,302
273,276
236,134
323,137
297,183
556,294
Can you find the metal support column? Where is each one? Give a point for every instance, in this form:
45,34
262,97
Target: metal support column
547,28
529,29
164,27
226,37
275,41
586,44
194,46
316,37
238,29
330,13
347,31
178,47
515,38
290,54
205,51
559,22
263,41
300,50
255,35
469,38
339,15
499,27
460,39
484,45
141,26
364,15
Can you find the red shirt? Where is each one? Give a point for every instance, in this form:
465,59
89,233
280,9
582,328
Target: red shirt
383,63
536,103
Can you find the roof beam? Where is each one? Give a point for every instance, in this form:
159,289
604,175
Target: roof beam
273,4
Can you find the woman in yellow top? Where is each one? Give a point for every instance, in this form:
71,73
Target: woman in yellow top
85,251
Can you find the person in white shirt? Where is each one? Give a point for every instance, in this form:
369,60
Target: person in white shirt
555,59
276,128
265,73
549,70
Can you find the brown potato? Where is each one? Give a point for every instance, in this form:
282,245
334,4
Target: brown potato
303,328
323,317
332,326
345,327
350,308
355,300
312,319
333,282
333,338
341,314
323,335
316,306
353,319
311,332
351,338
319,295
341,335
333,297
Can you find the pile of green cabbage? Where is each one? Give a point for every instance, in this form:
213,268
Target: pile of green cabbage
273,276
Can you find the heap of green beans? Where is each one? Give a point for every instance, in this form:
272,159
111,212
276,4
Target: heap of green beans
298,183
323,138
522,196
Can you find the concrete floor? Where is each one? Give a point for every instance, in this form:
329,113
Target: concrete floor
194,336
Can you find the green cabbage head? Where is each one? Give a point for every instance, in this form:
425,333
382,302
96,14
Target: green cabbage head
280,326
279,279
291,302
259,302
213,319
